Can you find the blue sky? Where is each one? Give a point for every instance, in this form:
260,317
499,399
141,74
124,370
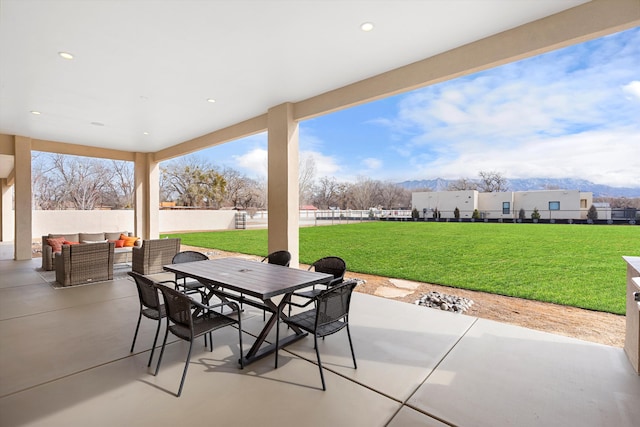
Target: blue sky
571,113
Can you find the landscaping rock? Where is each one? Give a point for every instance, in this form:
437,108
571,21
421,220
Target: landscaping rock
445,302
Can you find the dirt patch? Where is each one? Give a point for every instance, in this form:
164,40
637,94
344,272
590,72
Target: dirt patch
603,328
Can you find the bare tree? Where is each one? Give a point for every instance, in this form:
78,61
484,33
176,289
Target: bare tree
492,182
306,176
394,196
462,184
63,181
363,194
192,182
85,180
327,193
241,191
121,184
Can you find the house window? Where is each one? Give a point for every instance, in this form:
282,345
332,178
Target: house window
583,203
506,208
554,206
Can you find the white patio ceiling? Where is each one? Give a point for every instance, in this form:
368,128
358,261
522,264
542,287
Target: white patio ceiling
150,66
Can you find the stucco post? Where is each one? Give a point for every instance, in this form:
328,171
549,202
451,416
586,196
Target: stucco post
147,196
283,181
6,211
23,214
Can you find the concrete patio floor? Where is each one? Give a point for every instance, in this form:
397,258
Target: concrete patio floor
65,361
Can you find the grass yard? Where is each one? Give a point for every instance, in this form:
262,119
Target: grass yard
575,265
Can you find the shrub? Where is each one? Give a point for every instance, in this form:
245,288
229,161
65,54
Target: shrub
415,214
592,214
521,214
475,214
435,213
535,214
456,213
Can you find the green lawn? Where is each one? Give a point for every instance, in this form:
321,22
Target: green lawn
576,265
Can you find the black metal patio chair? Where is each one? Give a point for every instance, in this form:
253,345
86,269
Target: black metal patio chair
333,265
278,258
330,315
150,307
189,287
188,319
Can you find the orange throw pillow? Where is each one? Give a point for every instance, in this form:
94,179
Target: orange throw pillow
129,241
56,243
66,242
119,243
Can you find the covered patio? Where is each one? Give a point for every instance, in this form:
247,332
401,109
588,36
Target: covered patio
65,361
64,358
154,80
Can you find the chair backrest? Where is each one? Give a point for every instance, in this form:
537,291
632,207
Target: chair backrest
188,256
331,265
178,308
333,304
278,258
147,291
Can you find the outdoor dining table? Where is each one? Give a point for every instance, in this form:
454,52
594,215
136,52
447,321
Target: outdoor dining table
259,280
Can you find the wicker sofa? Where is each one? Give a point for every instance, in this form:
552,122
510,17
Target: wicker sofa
80,264
121,255
149,257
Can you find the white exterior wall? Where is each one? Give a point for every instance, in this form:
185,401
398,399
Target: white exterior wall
569,203
446,202
490,205
72,221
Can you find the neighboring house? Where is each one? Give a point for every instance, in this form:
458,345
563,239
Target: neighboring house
604,210
551,204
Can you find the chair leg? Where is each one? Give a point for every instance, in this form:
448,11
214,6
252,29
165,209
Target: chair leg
353,355
210,342
277,337
186,366
240,342
315,343
135,335
155,340
164,344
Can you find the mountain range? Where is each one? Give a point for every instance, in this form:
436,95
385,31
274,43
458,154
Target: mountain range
532,184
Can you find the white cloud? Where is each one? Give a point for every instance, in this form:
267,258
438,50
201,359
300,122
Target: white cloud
372,163
253,162
632,88
602,157
325,165
558,115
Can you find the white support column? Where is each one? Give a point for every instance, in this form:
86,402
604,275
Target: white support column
147,196
23,198
283,181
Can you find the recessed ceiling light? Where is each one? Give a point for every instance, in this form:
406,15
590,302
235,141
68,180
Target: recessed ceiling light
65,55
145,133
97,124
367,26
36,113
211,100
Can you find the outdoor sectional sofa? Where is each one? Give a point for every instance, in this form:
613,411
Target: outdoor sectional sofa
121,255
82,264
